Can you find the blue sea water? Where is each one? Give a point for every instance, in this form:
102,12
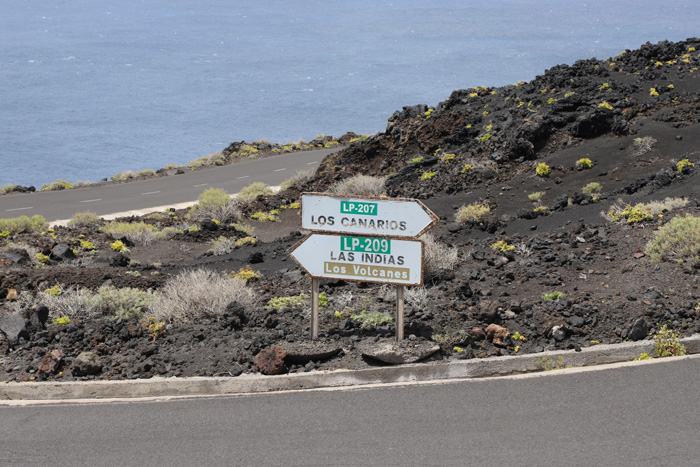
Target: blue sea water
89,88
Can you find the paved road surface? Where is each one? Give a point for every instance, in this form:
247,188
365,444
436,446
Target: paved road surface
162,191
646,415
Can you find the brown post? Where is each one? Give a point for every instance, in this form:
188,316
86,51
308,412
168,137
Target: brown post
399,312
314,308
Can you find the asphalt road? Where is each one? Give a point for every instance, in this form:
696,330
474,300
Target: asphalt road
645,415
162,191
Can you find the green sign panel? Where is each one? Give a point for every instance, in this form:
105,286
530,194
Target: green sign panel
366,245
358,207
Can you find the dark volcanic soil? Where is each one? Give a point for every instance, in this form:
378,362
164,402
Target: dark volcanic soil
600,110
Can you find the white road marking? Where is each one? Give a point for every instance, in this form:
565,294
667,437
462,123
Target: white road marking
151,193
280,170
201,184
312,163
241,178
91,200
19,209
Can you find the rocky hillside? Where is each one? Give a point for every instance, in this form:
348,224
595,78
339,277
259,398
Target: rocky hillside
554,197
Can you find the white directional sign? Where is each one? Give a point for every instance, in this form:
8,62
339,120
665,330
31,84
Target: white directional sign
396,217
366,259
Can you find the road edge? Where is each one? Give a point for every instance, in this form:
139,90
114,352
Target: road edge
248,384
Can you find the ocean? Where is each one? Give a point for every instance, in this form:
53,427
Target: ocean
90,88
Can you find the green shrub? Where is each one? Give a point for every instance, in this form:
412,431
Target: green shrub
8,188
23,224
214,203
416,160
666,343
676,241
125,302
137,232
592,188
502,246
366,319
584,163
536,196
298,179
254,190
80,219
428,175
471,213
58,185
295,302
556,295
684,166
543,170
123,176
145,173
360,185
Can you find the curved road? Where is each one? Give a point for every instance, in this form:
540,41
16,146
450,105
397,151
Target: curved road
644,414
161,191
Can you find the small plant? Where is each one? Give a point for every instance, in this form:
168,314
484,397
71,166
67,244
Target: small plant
467,168
502,246
643,356
363,185
263,217
222,246
633,214
667,344
471,213
58,185
87,245
254,190
8,188
246,241
367,319
605,105
133,273
156,329
428,113
584,163
547,364
145,173
428,175
684,166
63,320
137,232
294,205
417,160
449,338
447,158
23,224
556,295
518,337
591,189
643,145
293,302
536,196
678,239
214,203
119,247
543,170
84,218
653,92
246,274
485,138
42,259
54,291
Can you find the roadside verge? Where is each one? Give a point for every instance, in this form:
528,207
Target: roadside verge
247,384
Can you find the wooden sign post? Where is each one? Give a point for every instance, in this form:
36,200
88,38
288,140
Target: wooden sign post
364,239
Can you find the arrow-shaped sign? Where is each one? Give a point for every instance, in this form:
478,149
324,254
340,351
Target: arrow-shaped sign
364,215
366,259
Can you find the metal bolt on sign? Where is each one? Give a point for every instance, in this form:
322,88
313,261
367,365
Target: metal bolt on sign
362,239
